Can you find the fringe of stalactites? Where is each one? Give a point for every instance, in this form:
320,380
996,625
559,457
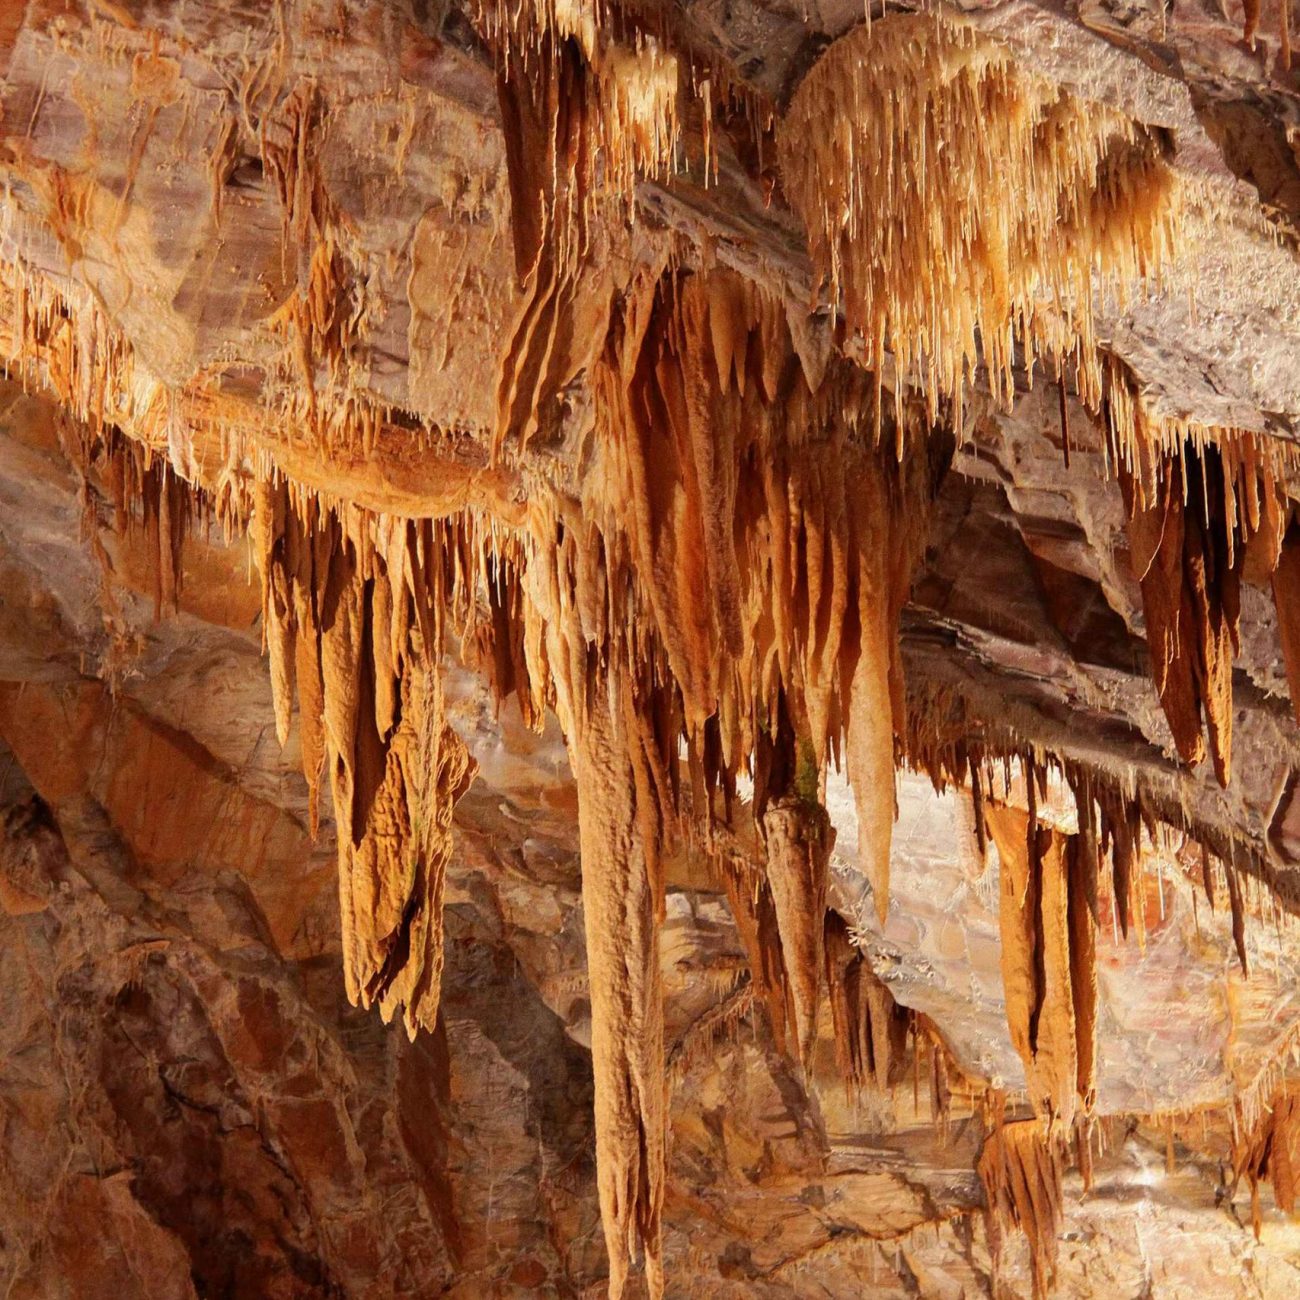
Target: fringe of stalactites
592,99
658,70
1207,509
1021,1168
584,118
958,205
64,343
637,77
146,501
1268,1148
956,746
875,1038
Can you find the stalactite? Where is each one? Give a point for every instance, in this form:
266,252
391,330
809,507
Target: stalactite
620,911
949,194
607,722
1021,1170
1269,1149
1250,23
1121,833
339,620
1238,906
1047,977
749,898
798,837
871,1029
1081,893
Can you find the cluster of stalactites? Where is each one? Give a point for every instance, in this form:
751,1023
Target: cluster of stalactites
1116,819
707,434
584,117
1051,909
1207,509
954,201
730,579
801,951
771,537
353,618
71,349
148,501
1021,1168
635,74
871,1029
1269,1149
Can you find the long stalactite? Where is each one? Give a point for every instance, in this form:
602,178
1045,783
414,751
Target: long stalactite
341,622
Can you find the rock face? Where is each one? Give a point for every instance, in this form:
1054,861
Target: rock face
648,649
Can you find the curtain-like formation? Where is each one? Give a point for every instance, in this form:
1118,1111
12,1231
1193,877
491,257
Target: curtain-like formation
356,627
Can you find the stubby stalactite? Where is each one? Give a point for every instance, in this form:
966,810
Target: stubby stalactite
340,623
798,839
786,914
1021,1170
1269,1150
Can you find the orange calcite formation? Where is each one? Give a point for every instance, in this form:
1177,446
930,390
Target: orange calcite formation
1021,1172
351,620
1048,962
950,196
